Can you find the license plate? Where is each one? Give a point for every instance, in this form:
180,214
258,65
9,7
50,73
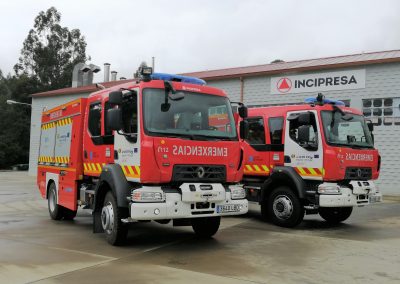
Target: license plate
374,199
227,208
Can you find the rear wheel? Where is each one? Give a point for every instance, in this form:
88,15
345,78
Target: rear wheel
55,210
335,215
284,207
206,227
111,216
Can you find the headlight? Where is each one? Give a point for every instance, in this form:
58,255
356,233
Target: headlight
237,192
147,196
329,188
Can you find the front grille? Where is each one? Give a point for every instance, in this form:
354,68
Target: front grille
358,173
199,173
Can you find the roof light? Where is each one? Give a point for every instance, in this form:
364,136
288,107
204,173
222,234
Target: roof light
177,78
324,101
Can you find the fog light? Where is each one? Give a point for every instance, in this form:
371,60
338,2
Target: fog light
237,192
156,211
329,188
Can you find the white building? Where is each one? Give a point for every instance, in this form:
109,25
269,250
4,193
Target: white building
368,81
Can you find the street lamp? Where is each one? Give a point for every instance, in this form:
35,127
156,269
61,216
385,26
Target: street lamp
11,102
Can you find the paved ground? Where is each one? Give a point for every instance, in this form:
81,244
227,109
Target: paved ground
35,249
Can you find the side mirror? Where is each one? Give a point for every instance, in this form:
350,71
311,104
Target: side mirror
304,118
243,129
115,97
176,96
242,111
303,134
114,119
370,125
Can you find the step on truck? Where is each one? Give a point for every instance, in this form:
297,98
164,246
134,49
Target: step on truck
311,158
150,150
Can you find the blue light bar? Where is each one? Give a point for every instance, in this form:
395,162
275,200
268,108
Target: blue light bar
177,78
325,101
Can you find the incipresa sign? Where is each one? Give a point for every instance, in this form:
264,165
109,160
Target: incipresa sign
329,81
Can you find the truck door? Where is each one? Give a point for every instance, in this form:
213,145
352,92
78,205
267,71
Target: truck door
275,138
303,146
257,155
97,142
127,141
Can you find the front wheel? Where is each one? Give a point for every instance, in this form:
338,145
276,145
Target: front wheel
206,227
335,215
284,207
111,216
55,210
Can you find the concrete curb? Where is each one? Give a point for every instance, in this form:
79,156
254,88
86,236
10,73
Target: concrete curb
391,197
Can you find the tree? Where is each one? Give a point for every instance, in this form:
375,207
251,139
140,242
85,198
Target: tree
50,51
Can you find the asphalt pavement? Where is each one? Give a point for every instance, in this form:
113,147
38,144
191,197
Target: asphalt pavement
35,249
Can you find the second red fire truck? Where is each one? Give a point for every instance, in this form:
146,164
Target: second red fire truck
310,158
146,150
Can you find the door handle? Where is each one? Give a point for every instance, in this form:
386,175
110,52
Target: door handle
85,154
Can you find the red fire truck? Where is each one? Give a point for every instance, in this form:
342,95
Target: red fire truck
143,151
310,158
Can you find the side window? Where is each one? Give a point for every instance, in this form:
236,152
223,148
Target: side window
107,131
129,118
275,125
303,130
95,119
256,133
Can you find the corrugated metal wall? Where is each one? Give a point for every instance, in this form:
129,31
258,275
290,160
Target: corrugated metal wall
382,81
37,107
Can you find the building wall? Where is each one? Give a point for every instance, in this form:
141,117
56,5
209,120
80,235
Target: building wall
382,81
38,104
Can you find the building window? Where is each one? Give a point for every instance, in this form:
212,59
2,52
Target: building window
382,111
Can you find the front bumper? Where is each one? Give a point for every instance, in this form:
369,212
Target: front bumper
359,193
192,202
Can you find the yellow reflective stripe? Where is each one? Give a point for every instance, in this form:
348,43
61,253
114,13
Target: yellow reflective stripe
85,167
265,168
137,170
98,167
257,168
124,170
249,168
312,171
302,171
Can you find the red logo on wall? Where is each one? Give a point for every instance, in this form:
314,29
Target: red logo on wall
284,85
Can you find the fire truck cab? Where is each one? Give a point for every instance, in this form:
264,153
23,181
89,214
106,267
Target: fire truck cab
141,151
310,158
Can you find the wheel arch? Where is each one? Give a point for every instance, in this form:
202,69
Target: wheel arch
283,176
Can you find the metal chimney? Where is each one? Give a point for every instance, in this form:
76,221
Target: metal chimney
106,72
77,75
113,75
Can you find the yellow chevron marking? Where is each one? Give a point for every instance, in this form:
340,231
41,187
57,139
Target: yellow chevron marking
265,168
249,168
312,171
98,167
123,169
131,170
257,168
85,167
302,171
137,170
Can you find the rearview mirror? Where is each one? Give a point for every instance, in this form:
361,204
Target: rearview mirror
114,119
304,118
115,97
304,134
176,96
242,111
243,129
370,125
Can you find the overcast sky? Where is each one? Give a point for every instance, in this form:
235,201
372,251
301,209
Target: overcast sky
199,35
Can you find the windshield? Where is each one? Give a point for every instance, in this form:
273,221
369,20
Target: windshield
196,116
346,130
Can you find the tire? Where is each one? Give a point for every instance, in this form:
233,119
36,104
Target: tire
284,207
335,215
55,210
69,214
111,215
206,227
